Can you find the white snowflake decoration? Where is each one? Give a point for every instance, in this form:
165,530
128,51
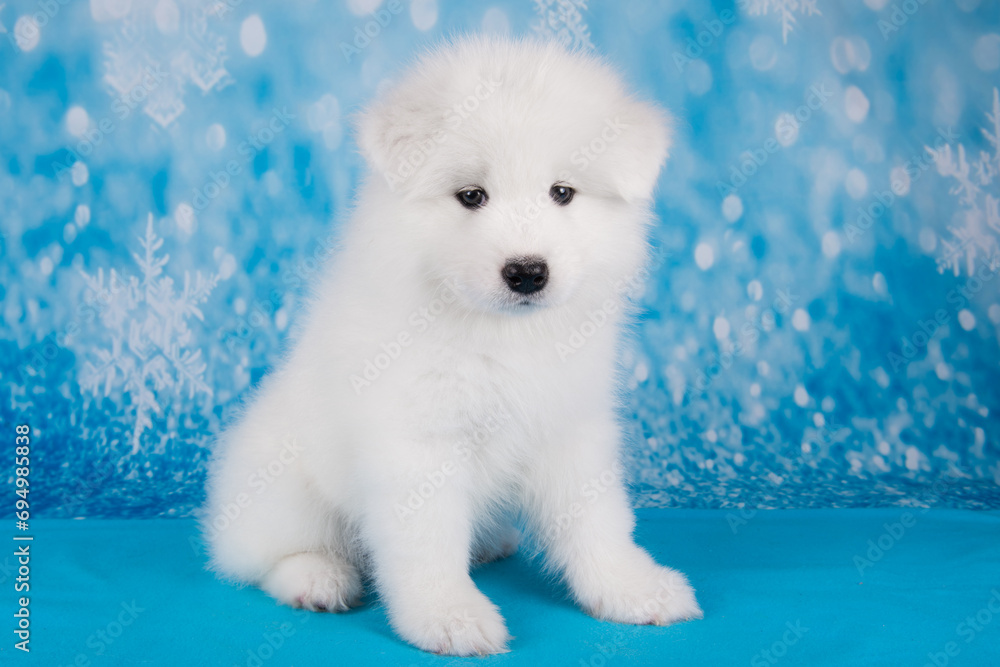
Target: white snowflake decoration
150,357
562,20
977,186
785,10
144,42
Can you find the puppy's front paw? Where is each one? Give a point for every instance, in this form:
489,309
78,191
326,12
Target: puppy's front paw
659,596
313,581
465,625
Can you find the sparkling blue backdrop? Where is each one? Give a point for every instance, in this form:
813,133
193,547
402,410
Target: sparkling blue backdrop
822,329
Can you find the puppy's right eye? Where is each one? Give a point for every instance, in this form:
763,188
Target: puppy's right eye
472,198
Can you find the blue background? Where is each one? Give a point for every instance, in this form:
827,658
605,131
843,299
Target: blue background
143,290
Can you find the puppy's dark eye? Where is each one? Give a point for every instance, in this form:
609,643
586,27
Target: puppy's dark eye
561,194
472,198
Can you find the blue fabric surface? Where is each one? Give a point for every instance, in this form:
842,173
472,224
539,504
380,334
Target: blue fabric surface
777,587
821,327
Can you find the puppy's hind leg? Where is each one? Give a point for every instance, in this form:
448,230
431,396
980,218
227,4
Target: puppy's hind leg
277,533
317,581
292,549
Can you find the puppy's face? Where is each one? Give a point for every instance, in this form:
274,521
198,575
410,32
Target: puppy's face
523,173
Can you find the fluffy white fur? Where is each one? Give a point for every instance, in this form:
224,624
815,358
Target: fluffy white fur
426,408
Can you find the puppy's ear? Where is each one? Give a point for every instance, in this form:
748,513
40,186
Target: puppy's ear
639,151
389,131
380,135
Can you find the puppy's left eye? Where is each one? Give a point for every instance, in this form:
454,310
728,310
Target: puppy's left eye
561,194
472,198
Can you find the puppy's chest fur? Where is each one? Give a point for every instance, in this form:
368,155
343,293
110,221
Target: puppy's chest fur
465,395
495,411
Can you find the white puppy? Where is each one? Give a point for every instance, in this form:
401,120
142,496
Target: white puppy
457,371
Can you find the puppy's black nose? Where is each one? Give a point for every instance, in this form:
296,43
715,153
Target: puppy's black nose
526,275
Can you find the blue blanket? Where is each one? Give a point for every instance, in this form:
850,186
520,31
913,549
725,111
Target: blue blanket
800,587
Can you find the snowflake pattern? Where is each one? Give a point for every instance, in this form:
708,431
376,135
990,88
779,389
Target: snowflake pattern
144,44
150,356
748,441
562,20
977,186
785,10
